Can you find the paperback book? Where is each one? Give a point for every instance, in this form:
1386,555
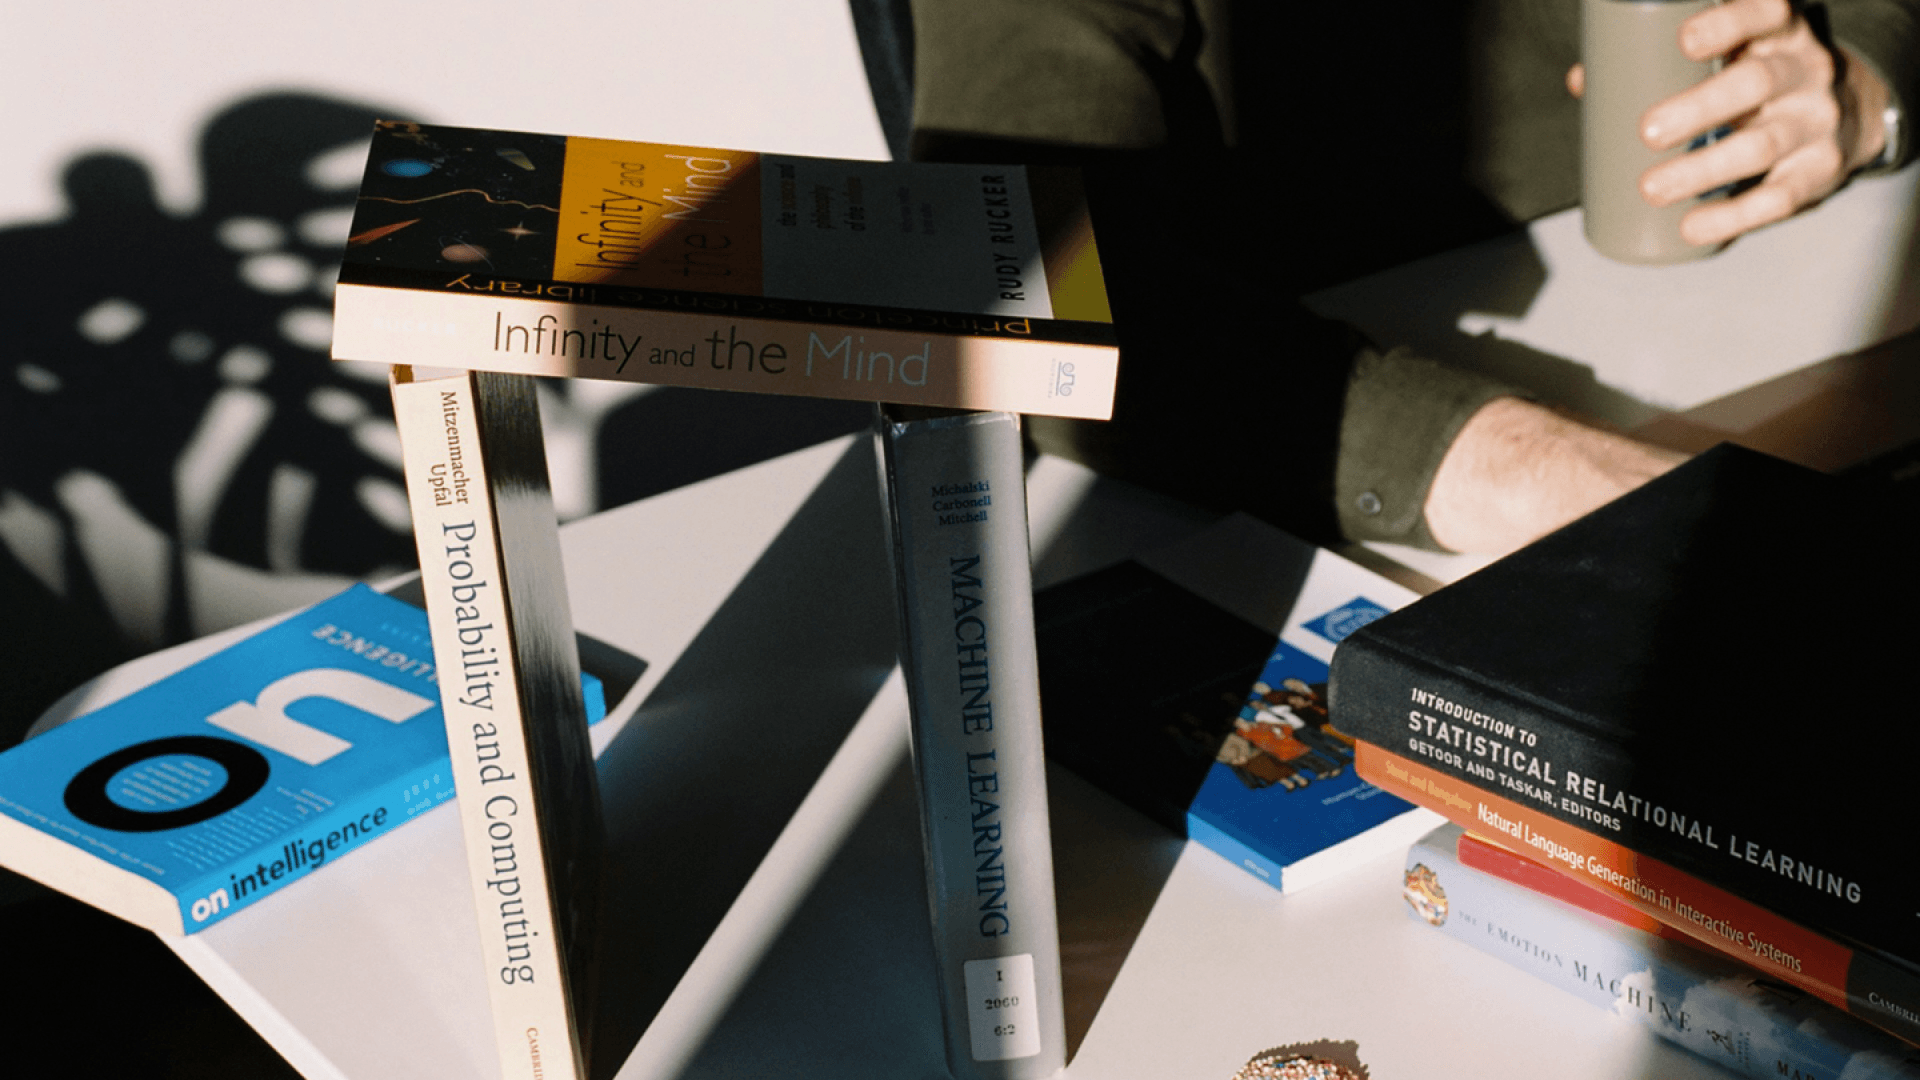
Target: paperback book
195,798
1648,692
516,728
1587,944
925,284
955,492
1199,718
1848,975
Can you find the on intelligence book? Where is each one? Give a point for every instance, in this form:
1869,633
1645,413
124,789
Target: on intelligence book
197,796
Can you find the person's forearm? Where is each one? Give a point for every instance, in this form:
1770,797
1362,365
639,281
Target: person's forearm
1518,471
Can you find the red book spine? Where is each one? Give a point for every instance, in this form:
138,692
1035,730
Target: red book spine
1722,921
1479,853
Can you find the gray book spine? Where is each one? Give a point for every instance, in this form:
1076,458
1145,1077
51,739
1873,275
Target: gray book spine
955,489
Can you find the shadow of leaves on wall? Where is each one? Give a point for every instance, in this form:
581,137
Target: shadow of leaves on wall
166,386
177,452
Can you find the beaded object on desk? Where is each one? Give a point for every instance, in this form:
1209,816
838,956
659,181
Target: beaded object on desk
1287,1065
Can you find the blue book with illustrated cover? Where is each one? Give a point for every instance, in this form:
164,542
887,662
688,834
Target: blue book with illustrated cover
190,799
1713,1005
1281,797
1163,682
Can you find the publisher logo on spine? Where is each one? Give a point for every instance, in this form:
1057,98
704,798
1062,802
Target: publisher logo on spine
1062,379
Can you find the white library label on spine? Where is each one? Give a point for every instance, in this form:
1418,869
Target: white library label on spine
1003,1012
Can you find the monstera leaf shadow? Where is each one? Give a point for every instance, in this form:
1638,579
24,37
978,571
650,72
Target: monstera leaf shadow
177,452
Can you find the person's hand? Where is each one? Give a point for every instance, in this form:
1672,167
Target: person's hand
1804,119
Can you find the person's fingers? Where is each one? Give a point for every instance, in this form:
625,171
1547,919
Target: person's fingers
1725,27
1577,80
1740,89
1755,149
1801,179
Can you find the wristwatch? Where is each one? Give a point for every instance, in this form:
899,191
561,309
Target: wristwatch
1890,148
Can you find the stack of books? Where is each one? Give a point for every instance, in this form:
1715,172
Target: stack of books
1690,703
954,295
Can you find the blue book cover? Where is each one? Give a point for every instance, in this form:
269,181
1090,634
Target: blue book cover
1186,709
1282,790
1715,1006
194,797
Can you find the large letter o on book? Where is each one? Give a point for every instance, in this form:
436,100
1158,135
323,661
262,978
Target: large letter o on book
87,798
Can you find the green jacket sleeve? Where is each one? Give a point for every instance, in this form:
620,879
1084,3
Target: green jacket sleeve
1401,414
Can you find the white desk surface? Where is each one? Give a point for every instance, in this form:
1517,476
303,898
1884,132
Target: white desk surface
810,957
771,923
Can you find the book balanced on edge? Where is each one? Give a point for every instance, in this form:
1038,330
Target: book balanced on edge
506,255
954,488
1695,698
516,724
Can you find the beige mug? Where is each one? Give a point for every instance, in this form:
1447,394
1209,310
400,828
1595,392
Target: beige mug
1631,50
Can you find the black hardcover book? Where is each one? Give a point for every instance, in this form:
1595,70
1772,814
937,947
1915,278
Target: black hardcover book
1892,477
1711,671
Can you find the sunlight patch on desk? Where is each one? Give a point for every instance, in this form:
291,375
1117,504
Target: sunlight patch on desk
240,993
1832,280
816,832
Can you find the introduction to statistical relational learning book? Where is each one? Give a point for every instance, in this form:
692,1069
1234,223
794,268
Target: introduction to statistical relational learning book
1630,699
962,286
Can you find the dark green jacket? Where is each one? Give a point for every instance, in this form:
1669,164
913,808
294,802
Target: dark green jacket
1243,152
